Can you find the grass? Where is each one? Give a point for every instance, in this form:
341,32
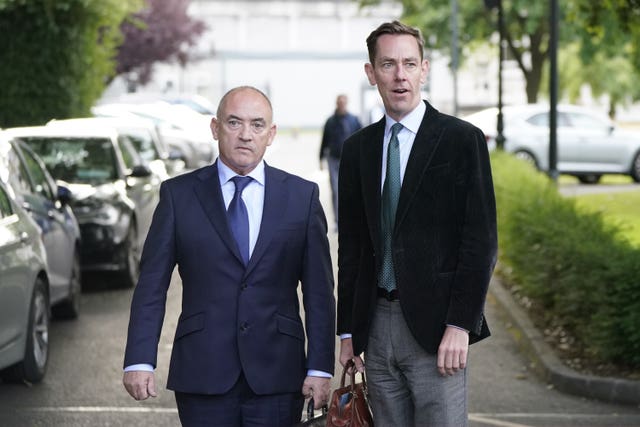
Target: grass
622,209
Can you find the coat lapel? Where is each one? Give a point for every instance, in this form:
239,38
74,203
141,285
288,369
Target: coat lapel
275,195
424,146
371,169
209,194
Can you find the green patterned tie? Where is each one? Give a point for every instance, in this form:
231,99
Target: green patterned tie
390,196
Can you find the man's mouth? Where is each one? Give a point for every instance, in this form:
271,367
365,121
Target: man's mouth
400,91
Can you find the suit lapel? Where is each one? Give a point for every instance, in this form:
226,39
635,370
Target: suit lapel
275,199
209,194
371,169
424,146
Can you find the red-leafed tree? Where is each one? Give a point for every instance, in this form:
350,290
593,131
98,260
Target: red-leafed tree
162,31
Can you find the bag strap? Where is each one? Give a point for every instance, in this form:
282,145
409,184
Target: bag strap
351,364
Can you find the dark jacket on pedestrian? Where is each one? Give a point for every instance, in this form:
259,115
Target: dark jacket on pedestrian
336,130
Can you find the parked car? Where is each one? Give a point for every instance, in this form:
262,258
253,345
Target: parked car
182,129
589,143
31,186
24,298
142,134
114,193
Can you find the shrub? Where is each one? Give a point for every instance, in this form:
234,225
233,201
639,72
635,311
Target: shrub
570,263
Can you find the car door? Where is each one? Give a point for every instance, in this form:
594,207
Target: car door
143,190
594,145
16,283
39,199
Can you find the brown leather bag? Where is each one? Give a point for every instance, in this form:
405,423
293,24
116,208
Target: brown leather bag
349,404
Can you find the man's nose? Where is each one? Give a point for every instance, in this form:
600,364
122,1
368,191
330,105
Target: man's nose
245,132
401,72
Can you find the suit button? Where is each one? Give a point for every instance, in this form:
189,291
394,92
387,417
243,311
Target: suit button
243,286
244,326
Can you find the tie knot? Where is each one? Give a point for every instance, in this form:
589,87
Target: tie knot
395,130
241,182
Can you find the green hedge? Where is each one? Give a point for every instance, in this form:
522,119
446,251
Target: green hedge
56,56
569,263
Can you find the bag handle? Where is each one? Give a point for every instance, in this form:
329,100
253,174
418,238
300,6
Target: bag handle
351,364
310,409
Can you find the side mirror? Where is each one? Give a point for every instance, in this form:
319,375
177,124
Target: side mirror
140,171
64,194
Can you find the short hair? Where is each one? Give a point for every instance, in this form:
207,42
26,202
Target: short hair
223,100
395,28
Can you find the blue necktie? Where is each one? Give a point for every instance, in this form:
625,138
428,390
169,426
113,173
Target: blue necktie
239,218
390,196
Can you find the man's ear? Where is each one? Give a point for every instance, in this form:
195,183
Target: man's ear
368,69
214,128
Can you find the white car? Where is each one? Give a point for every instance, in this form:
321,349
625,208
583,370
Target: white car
181,129
589,144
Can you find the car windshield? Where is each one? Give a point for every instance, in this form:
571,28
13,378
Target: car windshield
76,160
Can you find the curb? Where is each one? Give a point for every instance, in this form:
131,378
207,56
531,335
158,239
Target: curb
549,367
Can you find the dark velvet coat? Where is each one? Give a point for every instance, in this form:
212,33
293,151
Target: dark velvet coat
444,242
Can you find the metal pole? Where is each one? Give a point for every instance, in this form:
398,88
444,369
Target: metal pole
500,125
553,91
454,53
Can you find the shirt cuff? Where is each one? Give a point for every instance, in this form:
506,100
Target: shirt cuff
314,373
139,367
458,327
345,336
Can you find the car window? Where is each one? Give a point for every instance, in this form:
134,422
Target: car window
77,160
5,204
41,184
542,119
143,144
128,152
585,121
18,175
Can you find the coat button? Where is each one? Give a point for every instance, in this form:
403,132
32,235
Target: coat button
244,326
243,286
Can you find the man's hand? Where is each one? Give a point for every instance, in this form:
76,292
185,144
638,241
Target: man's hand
346,354
318,387
453,351
140,384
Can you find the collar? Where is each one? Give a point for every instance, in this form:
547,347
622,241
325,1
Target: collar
225,173
411,121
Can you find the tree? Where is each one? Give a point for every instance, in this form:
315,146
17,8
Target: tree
56,56
526,30
162,31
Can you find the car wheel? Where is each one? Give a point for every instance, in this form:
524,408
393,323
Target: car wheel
635,168
527,157
34,365
589,179
70,307
131,270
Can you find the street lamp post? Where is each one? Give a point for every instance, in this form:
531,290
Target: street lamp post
553,90
493,4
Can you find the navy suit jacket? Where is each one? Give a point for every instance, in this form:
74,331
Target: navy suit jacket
236,318
444,242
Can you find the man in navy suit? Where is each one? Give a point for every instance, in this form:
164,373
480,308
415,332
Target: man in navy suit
238,355
417,243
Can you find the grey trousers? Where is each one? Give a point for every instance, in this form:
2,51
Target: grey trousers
405,386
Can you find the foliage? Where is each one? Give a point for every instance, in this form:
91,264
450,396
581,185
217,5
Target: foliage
162,31
607,33
570,263
622,209
56,56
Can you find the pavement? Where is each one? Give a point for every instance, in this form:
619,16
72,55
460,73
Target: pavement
546,363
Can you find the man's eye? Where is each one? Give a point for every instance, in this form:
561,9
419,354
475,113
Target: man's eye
258,126
234,124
